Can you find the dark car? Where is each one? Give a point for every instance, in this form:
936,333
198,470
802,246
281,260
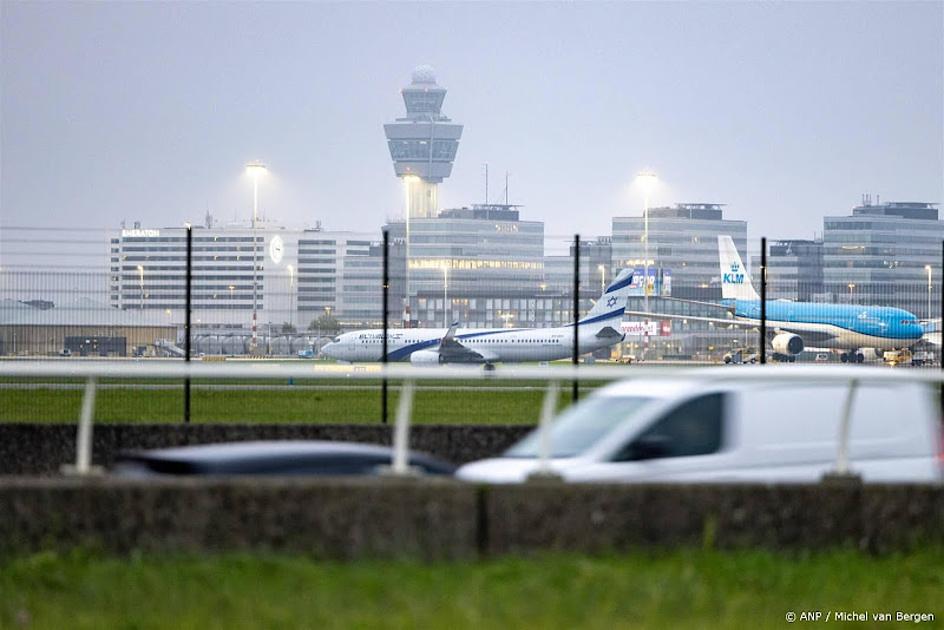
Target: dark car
271,458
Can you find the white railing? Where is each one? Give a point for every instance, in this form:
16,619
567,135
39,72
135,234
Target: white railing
92,372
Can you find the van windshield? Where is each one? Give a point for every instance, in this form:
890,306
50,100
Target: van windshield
580,426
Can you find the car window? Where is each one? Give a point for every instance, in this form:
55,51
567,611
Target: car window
693,428
581,426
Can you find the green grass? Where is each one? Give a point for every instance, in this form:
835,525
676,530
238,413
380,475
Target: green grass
744,589
287,405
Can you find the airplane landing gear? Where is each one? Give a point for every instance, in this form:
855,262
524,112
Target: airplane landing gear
852,357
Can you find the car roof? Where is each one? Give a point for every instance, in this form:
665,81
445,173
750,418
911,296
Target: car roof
230,451
668,387
262,456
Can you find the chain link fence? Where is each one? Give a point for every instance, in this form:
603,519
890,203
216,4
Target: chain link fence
458,289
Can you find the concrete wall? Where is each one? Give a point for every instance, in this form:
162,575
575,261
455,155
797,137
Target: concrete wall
340,519
40,449
432,518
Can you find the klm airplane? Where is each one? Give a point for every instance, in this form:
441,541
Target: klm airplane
856,332
431,346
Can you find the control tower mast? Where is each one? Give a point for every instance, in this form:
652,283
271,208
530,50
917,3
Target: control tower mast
423,144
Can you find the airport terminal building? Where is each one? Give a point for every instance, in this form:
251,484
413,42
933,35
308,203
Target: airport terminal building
480,265
683,263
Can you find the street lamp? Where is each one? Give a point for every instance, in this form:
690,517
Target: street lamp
928,269
141,283
255,170
851,286
445,296
647,181
602,271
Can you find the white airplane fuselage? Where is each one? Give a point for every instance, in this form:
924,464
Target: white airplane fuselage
494,344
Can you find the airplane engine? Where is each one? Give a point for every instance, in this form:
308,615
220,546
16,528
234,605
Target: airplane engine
872,354
426,357
787,343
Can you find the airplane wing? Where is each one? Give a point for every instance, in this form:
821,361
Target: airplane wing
453,351
608,332
808,334
698,302
695,318
450,335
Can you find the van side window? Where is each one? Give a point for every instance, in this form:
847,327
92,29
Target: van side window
692,428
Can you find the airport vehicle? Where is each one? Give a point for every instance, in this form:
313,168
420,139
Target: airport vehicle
691,430
859,333
289,458
740,356
432,346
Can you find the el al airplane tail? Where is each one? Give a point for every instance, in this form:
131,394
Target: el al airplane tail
612,304
735,282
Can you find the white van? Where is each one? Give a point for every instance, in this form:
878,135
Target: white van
709,431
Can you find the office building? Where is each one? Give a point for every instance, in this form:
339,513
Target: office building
794,270
341,275
298,276
682,239
884,254
237,270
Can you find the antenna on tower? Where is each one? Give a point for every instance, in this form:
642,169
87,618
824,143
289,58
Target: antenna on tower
506,188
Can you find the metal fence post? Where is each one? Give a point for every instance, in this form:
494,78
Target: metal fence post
763,300
401,431
575,394
386,309
842,456
83,441
544,427
187,309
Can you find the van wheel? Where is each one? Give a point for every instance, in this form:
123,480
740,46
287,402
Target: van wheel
860,358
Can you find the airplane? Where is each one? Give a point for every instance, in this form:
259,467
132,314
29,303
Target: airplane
430,346
857,332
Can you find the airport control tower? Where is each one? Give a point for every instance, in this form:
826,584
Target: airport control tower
423,144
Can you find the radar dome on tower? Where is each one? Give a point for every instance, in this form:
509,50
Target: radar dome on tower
424,74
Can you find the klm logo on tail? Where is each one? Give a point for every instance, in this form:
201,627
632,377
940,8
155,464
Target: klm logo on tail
735,276
735,281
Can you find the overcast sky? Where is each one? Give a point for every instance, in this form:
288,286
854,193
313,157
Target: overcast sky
785,112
